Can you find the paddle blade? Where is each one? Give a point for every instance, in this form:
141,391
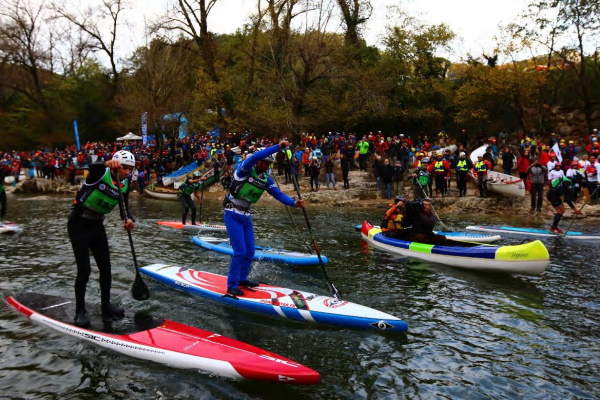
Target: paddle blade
139,290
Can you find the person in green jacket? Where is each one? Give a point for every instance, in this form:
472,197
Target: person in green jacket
420,178
187,188
98,196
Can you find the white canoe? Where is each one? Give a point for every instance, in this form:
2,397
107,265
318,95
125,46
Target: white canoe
504,184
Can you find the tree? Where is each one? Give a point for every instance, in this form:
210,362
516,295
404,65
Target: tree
26,68
190,19
416,75
488,95
92,21
568,28
160,83
354,14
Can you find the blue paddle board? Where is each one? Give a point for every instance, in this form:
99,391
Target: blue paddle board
533,232
262,253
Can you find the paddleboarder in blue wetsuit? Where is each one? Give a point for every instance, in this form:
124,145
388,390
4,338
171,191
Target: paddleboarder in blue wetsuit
97,197
562,187
248,184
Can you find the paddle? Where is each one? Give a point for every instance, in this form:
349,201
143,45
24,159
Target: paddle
201,201
433,209
139,290
292,218
575,216
333,289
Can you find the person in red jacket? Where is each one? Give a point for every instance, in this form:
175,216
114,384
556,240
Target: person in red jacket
523,163
481,169
440,169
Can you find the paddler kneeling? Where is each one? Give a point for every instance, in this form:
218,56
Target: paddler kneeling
423,222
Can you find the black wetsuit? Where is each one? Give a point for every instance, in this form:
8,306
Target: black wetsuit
422,229
87,233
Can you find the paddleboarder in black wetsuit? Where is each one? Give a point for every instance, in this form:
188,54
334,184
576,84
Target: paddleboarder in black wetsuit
97,197
189,187
562,187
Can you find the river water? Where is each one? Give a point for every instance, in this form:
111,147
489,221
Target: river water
471,335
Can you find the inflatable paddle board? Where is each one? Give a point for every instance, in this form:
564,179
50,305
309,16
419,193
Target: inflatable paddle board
525,259
167,342
261,253
194,228
10,228
276,301
534,232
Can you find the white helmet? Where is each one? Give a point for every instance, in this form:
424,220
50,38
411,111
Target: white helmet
125,157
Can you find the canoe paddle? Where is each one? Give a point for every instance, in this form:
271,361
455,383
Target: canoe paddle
575,216
332,287
139,290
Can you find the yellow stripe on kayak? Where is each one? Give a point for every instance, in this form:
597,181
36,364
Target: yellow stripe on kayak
528,251
373,232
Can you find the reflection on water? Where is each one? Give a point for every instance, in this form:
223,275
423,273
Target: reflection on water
471,335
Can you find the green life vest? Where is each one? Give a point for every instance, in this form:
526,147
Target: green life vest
422,177
2,188
249,189
462,166
101,196
186,189
559,181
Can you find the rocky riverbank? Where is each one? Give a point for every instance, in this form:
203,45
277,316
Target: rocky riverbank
362,193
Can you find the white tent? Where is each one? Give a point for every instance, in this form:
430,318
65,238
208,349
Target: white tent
130,136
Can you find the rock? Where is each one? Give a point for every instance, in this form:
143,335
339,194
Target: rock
42,185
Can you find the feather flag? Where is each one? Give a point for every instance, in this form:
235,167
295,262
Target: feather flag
556,151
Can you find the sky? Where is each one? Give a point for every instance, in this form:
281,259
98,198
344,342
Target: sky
474,21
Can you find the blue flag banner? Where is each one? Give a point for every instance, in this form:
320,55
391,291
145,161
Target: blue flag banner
76,134
215,132
144,124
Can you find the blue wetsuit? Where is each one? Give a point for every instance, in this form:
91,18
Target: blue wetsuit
238,219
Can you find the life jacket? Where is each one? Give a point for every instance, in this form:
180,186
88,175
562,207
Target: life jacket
438,167
101,196
392,221
462,166
480,166
187,188
558,182
422,177
249,189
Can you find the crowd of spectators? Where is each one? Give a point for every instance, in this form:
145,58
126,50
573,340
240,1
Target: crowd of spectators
388,157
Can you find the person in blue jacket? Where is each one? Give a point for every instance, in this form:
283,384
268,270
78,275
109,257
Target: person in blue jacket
248,184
